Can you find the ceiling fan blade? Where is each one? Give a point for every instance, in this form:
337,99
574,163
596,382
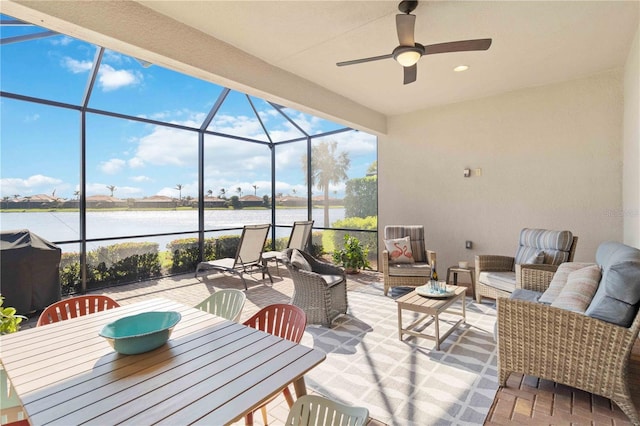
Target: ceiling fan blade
359,61
410,74
458,46
406,24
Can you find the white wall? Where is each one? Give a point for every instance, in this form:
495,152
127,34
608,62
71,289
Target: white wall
631,152
551,157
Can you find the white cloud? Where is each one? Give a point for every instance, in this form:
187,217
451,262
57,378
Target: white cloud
120,191
111,79
76,66
141,179
36,184
31,118
136,163
112,166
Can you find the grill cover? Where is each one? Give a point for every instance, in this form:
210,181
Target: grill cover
30,280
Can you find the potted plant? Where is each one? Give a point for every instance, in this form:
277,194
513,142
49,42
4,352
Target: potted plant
10,321
353,256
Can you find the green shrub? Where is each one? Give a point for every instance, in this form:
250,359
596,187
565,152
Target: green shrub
226,246
185,253
361,197
369,240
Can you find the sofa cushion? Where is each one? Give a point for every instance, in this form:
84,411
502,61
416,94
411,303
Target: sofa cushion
526,295
399,250
555,244
618,295
505,281
417,269
559,280
577,293
332,280
536,259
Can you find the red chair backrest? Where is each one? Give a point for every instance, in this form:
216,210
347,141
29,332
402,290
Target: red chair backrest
286,321
75,307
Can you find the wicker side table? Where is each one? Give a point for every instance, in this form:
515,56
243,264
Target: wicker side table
455,270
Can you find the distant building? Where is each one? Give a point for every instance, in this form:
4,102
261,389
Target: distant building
252,201
155,202
105,202
214,202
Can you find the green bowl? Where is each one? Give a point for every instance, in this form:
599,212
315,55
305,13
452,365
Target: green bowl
140,333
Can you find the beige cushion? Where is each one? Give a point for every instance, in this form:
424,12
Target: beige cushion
559,280
298,260
399,250
410,270
505,281
577,293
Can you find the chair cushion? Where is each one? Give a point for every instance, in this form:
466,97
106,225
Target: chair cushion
417,269
577,293
298,260
399,250
555,244
618,295
332,280
415,234
505,281
536,259
526,295
559,280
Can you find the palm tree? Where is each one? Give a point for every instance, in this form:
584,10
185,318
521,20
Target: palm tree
111,188
327,167
239,191
179,187
209,193
293,191
255,189
76,194
223,193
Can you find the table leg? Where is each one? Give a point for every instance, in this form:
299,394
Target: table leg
399,322
437,332
300,387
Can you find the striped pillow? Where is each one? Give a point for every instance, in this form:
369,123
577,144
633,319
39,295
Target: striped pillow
577,293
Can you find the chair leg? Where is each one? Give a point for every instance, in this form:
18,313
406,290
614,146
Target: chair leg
287,395
248,419
264,415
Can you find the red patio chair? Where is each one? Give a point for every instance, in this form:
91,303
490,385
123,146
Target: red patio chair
75,307
286,321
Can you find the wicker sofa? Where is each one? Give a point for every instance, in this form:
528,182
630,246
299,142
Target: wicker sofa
319,288
588,350
497,276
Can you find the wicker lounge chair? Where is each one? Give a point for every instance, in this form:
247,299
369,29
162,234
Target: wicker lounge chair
412,274
319,288
574,348
497,276
248,255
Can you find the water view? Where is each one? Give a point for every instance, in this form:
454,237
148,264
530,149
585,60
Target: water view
64,226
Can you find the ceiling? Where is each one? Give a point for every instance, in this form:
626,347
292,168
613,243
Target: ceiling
534,43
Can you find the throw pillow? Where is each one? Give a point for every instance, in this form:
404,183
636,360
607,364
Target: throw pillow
577,293
559,280
298,260
536,259
399,250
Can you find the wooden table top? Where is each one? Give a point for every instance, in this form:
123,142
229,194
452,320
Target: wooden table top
212,371
413,301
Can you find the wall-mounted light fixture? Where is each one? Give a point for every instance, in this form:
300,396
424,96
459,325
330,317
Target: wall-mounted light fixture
467,172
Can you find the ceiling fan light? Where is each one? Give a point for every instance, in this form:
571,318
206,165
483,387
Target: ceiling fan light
461,68
407,55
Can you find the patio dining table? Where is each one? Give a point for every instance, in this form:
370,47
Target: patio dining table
211,371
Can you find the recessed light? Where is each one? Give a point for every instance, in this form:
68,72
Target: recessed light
461,68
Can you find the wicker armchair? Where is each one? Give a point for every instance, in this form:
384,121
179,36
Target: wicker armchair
407,274
498,276
321,292
566,347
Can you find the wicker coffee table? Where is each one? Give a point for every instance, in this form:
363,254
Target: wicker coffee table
431,308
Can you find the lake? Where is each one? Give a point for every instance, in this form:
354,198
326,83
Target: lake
64,226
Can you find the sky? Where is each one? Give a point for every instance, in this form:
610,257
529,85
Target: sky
40,144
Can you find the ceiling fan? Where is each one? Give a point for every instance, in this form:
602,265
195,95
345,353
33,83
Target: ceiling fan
409,52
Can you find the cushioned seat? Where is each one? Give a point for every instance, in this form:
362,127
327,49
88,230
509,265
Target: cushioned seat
499,276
